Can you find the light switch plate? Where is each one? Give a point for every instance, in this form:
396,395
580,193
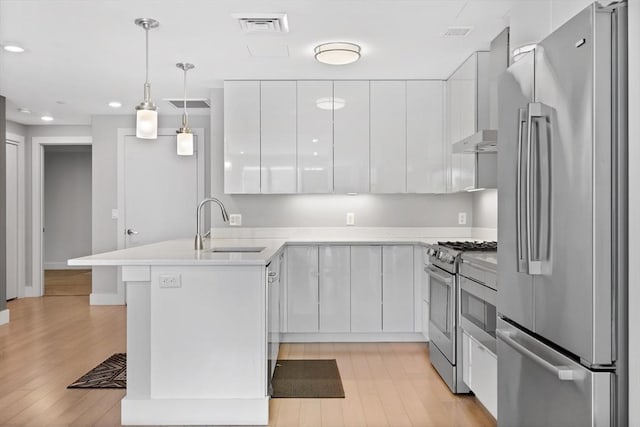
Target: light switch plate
170,281
351,218
235,219
462,218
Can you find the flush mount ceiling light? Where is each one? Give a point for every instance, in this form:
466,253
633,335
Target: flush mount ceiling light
337,53
146,111
46,118
185,136
330,103
115,104
24,110
13,48
521,51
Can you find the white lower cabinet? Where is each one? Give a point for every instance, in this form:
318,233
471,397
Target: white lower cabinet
366,288
425,319
397,289
302,289
335,292
480,372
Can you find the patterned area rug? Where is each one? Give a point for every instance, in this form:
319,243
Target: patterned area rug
112,373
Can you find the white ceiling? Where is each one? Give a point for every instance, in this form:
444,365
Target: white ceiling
86,53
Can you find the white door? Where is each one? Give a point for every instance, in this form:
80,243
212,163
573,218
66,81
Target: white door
161,191
397,289
302,289
12,220
366,289
335,289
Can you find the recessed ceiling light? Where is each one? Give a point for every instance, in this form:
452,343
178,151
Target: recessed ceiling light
115,104
24,110
337,53
13,48
46,118
330,103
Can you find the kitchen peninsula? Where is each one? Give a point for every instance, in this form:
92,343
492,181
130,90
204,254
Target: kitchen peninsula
196,331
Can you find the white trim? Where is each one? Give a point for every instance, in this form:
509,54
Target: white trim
4,316
18,140
36,289
107,298
62,265
249,411
120,223
292,337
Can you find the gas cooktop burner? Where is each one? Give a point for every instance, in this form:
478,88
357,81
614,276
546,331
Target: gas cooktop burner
470,246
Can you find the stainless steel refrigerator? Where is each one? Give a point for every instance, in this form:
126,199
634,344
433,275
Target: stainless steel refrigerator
562,228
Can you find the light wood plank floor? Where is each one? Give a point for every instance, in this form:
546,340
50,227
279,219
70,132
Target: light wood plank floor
50,342
67,282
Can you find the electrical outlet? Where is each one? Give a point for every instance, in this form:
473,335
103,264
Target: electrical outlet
169,281
235,219
351,218
462,218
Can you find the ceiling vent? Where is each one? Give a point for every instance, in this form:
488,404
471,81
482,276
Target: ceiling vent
262,22
457,32
191,103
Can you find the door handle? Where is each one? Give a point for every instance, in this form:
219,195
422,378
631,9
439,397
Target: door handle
564,373
431,272
131,232
522,123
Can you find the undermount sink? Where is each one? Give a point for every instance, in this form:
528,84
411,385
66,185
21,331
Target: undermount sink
239,249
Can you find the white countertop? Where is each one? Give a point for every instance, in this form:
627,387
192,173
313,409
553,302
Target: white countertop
181,252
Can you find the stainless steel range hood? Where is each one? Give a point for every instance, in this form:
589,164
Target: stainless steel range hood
484,141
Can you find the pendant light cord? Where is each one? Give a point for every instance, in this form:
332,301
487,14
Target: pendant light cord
146,38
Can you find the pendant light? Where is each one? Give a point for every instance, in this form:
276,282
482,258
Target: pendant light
146,111
185,137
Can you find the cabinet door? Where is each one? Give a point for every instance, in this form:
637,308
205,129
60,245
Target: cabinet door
425,319
397,289
241,137
426,168
335,289
388,137
315,137
461,89
273,287
278,136
366,289
351,136
302,289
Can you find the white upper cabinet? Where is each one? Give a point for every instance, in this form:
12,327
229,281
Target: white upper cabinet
462,122
315,136
351,136
278,136
241,137
388,137
426,166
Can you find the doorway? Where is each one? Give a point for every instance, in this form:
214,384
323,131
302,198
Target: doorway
15,209
66,218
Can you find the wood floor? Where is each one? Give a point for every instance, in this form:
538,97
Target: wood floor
67,282
50,342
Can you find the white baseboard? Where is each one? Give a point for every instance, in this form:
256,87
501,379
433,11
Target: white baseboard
4,316
250,411
62,265
293,337
106,299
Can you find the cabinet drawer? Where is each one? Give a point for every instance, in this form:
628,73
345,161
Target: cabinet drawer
483,375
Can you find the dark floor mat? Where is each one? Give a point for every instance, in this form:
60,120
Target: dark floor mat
307,379
112,373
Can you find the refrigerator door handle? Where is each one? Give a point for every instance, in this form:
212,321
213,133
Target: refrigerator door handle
564,373
534,264
520,239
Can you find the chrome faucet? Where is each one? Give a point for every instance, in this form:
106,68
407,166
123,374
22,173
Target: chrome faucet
225,217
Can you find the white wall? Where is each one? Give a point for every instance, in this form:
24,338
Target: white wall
485,209
392,210
67,204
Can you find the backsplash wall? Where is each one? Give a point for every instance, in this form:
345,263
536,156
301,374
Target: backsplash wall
328,210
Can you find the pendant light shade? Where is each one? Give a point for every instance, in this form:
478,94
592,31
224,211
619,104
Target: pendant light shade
147,114
184,139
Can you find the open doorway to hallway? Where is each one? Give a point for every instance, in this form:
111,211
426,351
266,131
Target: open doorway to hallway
66,218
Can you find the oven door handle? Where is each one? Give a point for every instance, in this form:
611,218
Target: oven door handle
431,271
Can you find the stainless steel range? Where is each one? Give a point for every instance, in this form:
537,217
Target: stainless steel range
444,317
